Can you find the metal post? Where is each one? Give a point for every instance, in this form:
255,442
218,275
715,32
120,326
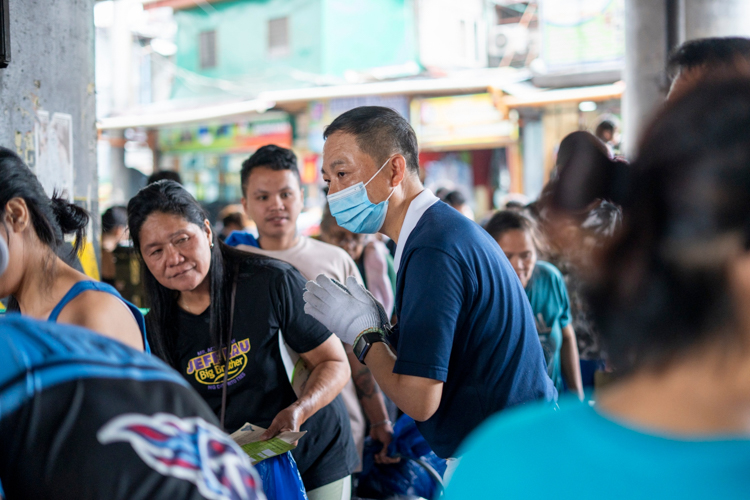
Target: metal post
675,23
4,34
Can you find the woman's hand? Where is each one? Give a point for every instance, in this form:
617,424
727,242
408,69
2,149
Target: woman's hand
288,419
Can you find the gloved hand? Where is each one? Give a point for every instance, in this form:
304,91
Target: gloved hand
385,322
346,311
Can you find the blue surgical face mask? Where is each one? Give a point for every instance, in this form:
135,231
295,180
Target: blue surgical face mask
354,211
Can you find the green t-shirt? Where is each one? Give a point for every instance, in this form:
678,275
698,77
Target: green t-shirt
551,306
593,457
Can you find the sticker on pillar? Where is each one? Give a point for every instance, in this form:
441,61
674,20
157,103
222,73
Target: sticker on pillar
54,149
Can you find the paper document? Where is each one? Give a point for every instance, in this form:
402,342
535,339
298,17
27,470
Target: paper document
248,437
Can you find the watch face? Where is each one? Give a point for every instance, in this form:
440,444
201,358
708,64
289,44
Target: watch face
359,346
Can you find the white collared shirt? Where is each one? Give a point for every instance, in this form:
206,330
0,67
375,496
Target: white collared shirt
416,210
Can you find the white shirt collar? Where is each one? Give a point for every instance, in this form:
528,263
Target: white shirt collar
416,210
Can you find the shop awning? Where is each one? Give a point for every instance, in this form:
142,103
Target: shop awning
162,118
463,83
178,4
524,95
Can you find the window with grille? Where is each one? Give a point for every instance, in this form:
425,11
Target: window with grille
208,49
278,36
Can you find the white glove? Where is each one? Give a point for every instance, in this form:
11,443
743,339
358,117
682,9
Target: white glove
346,311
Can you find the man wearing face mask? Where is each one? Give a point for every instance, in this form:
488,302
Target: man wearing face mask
465,345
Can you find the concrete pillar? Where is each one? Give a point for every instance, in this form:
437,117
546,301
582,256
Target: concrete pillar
645,55
52,71
651,28
533,158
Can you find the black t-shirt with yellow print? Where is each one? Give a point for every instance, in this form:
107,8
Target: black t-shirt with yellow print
267,300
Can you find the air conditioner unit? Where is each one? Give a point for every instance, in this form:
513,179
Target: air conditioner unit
505,38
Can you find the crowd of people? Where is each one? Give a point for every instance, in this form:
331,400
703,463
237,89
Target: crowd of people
403,307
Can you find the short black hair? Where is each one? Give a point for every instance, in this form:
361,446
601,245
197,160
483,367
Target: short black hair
708,52
380,132
161,175
235,218
270,156
455,199
113,217
574,142
441,192
606,125
513,220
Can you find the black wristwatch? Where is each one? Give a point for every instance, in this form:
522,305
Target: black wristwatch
364,343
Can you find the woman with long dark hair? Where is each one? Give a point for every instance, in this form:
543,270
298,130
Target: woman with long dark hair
221,318
671,295
40,283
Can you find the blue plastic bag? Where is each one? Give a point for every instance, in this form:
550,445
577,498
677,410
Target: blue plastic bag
281,479
417,474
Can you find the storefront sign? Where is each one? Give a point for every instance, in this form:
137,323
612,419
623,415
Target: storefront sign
242,137
459,121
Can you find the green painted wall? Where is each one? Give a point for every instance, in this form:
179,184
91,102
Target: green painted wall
242,44
362,34
327,37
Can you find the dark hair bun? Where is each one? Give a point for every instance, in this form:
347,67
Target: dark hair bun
587,174
71,218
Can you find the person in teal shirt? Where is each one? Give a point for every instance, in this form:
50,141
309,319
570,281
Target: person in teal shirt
596,457
549,301
545,288
670,294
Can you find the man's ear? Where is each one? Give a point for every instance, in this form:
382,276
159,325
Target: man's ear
398,170
17,216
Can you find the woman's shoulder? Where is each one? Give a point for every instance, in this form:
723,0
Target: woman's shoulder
97,301
549,269
84,294
533,421
98,307
547,275
530,452
510,447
